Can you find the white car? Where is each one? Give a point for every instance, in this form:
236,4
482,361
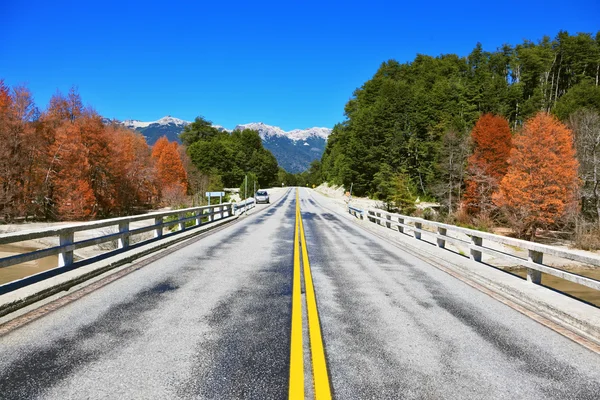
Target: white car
262,196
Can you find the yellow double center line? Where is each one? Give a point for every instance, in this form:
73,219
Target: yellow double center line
322,388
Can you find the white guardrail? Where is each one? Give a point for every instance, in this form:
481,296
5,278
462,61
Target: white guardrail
439,234
245,205
198,216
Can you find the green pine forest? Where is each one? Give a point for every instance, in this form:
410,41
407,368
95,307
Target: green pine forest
228,158
406,126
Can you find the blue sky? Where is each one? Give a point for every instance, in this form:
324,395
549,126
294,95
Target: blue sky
293,64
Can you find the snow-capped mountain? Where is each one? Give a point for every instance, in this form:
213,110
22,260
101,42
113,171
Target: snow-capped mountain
221,128
153,130
168,120
267,131
294,150
166,126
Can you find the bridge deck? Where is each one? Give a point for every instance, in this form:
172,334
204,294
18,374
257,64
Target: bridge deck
213,320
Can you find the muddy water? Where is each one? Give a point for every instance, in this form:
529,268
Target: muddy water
578,291
19,271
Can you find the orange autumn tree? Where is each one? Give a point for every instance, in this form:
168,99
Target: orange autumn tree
65,163
71,172
541,182
492,142
159,147
171,176
132,170
4,95
7,191
72,193
18,139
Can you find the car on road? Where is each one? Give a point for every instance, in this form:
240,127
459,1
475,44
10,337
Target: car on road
262,196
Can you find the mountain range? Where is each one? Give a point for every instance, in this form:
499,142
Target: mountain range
294,150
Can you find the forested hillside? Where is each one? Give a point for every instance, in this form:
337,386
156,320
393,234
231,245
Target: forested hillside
510,136
228,156
412,120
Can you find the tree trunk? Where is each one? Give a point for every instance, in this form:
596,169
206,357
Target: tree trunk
597,186
450,198
557,82
533,230
551,86
551,90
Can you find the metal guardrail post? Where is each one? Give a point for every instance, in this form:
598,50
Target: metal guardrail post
476,254
123,241
158,232
417,233
441,242
389,218
65,257
198,218
400,228
534,276
181,224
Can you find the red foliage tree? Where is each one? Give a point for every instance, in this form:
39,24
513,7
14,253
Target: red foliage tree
4,96
132,169
541,182
492,141
6,152
66,108
67,164
101,177
73,195
109,166
18,140
159,147
171,175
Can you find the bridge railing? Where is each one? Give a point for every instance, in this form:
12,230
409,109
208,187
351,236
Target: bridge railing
357,212
439,234
243,206
183,219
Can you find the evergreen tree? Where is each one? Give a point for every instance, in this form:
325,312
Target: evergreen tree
232,155
200,129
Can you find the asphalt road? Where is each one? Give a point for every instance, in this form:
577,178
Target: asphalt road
213,321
